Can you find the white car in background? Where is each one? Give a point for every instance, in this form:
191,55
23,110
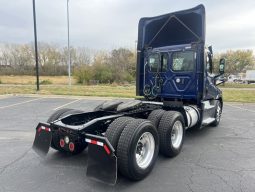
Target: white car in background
235,79
249,77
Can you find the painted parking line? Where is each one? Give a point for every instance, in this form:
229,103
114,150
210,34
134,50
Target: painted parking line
67,104
253,111
5,96
15,104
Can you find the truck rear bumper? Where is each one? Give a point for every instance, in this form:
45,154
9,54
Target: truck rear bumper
102,161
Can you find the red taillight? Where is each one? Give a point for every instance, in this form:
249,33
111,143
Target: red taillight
71,146
39,129
62,143
47,129
43,128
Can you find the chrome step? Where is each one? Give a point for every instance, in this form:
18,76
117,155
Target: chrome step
208,121
207,105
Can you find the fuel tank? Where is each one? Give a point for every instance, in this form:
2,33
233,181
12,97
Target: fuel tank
192,114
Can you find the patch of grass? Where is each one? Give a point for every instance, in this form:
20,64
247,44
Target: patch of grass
63,80
46,82
237,85
238,95
31,80
229,95
78,90
0,81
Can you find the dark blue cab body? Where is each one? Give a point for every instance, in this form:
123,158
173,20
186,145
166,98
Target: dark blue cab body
173,63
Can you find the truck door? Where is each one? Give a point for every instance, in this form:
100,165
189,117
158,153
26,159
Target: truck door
181,81
171,75
155,70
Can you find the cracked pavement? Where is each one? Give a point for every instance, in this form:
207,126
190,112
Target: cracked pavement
213,159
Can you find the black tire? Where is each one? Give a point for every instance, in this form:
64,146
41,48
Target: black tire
99,107
80,146
71,112
127,148
115,129
166,126
217,116
56,115
155,117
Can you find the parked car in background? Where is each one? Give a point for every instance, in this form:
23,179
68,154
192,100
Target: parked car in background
249,77
234,79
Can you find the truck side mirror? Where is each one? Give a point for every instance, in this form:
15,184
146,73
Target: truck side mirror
210,49
222,65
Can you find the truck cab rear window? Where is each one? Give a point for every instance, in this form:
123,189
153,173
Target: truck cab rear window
183,61
164,62
153,62
158,62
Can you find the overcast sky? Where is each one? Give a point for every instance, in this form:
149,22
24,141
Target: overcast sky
107,24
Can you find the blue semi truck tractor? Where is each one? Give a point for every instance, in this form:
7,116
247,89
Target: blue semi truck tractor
178,89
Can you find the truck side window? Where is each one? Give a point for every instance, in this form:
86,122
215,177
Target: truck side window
183,61
153,62
164,62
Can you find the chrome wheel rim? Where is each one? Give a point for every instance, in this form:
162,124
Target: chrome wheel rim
218,113
177,134
145,148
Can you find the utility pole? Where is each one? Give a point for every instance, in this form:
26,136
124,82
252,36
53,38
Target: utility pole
36,49
68,45
135,50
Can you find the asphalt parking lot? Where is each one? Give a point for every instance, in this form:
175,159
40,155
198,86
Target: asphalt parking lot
213,159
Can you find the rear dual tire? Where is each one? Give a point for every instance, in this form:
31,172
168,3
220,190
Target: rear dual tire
155,116
136,144
170,125
115,129
171,133
137,149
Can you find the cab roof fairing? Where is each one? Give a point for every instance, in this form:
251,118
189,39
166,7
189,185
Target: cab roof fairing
182,27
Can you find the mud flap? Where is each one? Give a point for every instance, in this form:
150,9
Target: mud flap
102,162
42,140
